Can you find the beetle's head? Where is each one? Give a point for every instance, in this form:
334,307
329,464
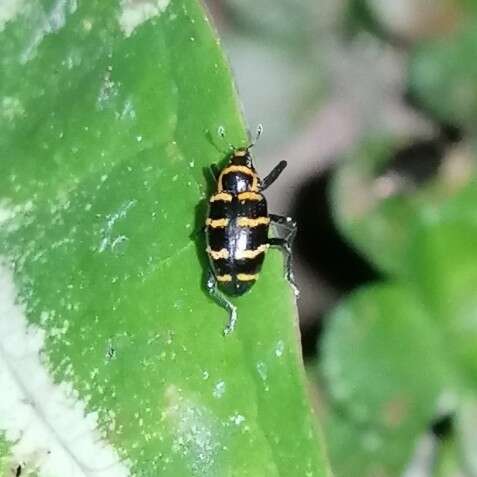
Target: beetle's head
242,157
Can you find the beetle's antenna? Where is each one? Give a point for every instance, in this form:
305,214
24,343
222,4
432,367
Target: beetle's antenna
258,133
221,133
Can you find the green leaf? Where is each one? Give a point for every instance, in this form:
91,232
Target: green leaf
443,74
384,371
104,147
444,270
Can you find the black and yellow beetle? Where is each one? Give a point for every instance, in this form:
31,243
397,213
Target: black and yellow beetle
237,229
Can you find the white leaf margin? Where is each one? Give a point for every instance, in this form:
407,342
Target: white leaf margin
46,423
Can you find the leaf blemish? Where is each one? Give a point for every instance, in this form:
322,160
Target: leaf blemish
108,90
279,349
237,419
11,215
107,231
87,24
136,12
9,9
262,370
193,429
6,213
219,390
12,108
263,373
52,22
128,111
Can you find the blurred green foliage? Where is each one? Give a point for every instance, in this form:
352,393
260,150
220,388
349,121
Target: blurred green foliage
393,351
400,354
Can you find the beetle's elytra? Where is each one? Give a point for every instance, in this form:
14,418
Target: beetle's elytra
237,230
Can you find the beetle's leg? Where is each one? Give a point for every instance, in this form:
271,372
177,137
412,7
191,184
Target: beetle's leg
223,301
273,176
286,245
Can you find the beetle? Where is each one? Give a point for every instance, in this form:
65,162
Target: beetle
237,229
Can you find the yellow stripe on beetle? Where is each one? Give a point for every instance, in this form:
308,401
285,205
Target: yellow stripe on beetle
247,222
250,196
223,196
224,278
236,168
246,277
218,254
217,223
242,254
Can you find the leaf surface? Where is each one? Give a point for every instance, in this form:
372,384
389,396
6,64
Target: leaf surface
105,147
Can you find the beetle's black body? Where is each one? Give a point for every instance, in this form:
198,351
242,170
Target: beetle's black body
237,229
237,226
236,275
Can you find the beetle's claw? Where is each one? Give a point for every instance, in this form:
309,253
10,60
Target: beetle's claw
232,321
